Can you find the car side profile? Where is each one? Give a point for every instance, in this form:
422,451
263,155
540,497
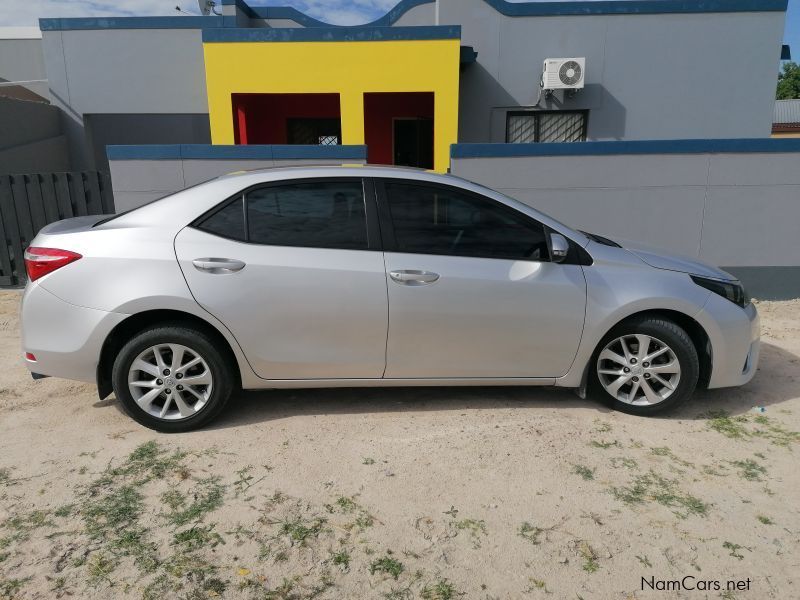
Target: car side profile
304,277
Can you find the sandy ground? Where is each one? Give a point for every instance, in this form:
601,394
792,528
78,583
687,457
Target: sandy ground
415,493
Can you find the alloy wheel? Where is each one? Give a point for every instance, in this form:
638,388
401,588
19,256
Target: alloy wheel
639,370
170,381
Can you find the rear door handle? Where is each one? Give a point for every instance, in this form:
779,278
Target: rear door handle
413,277
218,266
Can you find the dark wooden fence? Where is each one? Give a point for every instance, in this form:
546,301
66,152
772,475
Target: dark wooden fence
29,202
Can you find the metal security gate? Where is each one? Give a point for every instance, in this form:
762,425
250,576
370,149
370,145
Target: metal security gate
29,202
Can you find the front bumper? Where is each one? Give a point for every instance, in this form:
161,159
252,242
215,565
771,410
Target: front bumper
735,337
65,339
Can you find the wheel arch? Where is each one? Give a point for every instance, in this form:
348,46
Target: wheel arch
138,322
695,330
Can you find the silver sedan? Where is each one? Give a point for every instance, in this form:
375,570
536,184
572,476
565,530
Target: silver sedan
369,276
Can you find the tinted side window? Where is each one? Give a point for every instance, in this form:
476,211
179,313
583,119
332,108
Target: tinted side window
328,214
440,220
228,221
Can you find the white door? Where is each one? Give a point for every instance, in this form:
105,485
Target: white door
292,271
472,292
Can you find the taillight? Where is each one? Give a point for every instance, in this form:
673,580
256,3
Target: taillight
41,261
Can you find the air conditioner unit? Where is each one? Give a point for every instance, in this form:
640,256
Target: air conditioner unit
564,73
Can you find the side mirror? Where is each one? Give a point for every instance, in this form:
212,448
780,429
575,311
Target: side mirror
559,246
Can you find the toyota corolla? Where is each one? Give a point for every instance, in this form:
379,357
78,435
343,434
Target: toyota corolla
368,276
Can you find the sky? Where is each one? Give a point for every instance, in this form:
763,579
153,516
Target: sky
340,12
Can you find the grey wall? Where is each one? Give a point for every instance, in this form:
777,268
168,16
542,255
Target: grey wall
128,71
31,139
22,60
136,182
104,130
666,76
739,211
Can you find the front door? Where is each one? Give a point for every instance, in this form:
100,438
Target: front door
292,270
413,142
472,291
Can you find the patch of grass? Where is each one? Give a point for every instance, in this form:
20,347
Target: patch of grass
347,505
27,522
645,561
133,542
441,590
148,461
605,445
299,532
5,477
623,461
731,427
341,559
583,471
590,564
64,511
101,567
475,529
765,520
368,461
388,565
536,584
197,538
653,487
530,533
208,497
245,480
602,427
9,588
112,512
749,469
734,549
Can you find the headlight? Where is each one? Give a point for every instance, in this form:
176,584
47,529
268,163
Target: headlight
732,290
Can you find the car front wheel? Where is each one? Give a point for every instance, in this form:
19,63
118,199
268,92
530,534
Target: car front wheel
645,366
172,378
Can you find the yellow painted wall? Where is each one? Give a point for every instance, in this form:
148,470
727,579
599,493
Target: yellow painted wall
347,68
786,135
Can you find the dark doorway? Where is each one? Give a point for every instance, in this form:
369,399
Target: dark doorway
398,128
413,142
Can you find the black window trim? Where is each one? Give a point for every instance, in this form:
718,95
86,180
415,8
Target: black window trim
374,242
537,140
387,225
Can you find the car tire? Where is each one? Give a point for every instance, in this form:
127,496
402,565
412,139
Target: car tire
159,406
604,373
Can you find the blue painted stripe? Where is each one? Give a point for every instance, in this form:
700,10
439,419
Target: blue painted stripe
734,146
254,152
331,34
639,7
292,14
131,23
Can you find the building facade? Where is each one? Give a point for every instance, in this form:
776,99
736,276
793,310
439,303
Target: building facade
423,77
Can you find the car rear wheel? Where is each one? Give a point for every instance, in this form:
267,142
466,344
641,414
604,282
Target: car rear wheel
645,366
172,378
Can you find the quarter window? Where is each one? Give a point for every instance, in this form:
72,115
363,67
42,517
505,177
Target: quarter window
441,220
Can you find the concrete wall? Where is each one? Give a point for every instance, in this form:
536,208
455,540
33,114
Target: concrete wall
21,59
128,71
660,76
140,174
31,138
737,210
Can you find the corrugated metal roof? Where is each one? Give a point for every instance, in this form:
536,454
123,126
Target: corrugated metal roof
787,111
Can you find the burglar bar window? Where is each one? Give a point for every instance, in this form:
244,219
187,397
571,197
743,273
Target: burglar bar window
546,126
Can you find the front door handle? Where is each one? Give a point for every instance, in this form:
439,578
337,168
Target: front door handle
412,277
218,266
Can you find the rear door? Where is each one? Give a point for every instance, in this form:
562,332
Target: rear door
295,271
472,290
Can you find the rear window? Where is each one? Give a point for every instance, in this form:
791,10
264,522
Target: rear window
318,214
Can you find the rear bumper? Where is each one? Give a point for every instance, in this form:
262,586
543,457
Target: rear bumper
65,339
735,336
